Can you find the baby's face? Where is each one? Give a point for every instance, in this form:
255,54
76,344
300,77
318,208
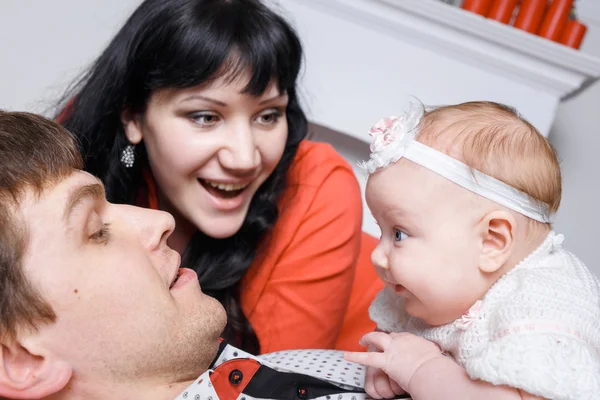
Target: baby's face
430,245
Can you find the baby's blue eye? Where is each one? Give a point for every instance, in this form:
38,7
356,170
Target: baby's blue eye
399,235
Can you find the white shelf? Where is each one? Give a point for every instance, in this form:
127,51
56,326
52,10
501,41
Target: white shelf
476,40
363,55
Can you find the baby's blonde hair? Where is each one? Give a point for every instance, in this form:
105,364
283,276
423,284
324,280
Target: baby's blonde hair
494,139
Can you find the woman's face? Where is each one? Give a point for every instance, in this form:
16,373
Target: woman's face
210,148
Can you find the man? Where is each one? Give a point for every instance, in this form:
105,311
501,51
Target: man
94,304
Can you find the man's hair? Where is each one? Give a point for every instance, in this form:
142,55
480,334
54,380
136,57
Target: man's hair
494,139
35,154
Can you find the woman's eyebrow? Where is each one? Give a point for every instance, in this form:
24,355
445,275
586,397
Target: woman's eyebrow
270,99
205,98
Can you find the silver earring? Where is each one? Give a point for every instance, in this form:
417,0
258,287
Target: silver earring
128,156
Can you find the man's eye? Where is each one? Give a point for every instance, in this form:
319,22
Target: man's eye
101,235
399,235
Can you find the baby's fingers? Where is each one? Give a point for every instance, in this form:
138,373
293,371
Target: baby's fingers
379,340
397,389
380,386
369,358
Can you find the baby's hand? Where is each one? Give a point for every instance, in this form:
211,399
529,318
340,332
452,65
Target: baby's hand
400,355
379,386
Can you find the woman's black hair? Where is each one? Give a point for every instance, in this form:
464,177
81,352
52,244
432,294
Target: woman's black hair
181,44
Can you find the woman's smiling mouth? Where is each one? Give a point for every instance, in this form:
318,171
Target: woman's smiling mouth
223,190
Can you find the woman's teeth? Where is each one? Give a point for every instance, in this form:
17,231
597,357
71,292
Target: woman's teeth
228,187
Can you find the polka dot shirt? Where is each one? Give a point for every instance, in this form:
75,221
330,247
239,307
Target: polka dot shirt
293,374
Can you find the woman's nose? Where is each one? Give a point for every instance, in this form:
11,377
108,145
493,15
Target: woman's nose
240,153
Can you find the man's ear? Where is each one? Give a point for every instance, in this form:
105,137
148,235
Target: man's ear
497,240
27,375
132,125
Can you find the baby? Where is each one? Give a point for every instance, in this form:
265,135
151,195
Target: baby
481,300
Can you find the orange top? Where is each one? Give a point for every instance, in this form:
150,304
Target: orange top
366,285
297,292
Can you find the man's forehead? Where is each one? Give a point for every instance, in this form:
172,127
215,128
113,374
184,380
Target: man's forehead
51,200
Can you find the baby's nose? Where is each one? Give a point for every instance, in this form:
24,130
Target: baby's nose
379,259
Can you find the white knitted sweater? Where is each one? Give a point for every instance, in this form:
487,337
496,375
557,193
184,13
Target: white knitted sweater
536,329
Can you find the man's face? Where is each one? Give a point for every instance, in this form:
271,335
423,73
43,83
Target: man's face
107,272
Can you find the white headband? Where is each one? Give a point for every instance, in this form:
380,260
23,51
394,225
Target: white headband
395,137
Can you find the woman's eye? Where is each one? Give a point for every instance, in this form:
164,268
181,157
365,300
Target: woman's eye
270,118
399,235
205,119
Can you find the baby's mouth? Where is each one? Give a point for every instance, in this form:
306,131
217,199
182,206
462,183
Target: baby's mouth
223,190
396,287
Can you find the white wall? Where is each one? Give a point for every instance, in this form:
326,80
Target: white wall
46,43
576,137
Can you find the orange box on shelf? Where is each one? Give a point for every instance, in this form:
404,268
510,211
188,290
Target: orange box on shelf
530,15
573,34
502,10
481,7
556,19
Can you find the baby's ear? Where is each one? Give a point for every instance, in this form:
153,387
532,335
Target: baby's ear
497,239
29,374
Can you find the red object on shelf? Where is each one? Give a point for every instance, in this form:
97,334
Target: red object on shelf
530,15
502,10
481,7
556,19
573,33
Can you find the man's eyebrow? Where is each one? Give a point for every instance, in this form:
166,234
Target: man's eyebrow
94,191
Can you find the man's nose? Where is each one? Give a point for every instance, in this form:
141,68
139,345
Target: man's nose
153,227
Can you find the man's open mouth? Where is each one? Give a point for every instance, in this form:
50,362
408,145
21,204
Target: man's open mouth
176,278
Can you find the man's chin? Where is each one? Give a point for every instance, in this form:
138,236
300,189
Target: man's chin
208,320
223,320
219,319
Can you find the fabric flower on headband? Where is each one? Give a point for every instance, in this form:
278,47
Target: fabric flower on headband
390,138
383,133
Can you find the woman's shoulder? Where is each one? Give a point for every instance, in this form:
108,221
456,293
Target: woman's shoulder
319,174
315,161
311,250
321,185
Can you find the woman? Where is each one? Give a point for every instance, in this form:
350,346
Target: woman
192,108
